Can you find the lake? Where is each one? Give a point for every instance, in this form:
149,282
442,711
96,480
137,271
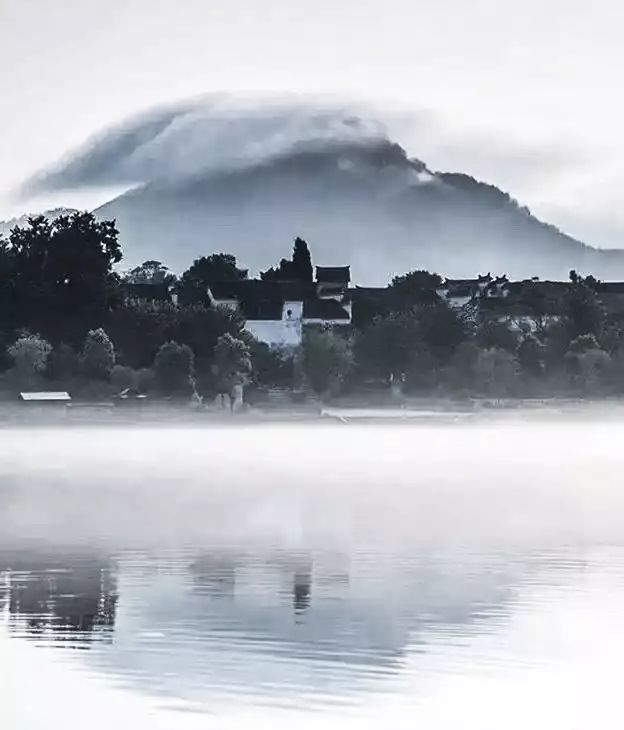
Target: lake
438,572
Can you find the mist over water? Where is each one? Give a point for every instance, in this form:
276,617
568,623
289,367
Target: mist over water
441,572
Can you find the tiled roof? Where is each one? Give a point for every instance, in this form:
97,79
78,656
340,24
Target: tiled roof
324,309
333,274
260,290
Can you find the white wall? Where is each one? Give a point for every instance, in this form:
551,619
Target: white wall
284,333
295,308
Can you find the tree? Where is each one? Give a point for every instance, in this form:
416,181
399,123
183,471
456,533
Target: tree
140,328
414,288
302,261
174,369
494,333
588,365
232,362
124,377
299,268
271,366
64,363
442,329
150,272
584,343
63,280
203,272
583,312
327,360
30,355
387,347
98,355
463,366
9,314
496,371
530,355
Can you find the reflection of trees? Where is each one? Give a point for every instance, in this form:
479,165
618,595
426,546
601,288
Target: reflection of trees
302,588
335,623
377,607
215,575
59,596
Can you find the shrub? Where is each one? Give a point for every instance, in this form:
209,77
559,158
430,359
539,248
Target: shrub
63,363
123,377
327,360
173,369
232,362
30,354
98,357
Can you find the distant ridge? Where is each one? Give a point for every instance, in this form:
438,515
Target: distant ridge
372,207
246,176
22,220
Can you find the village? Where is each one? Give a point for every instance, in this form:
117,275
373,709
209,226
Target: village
84,333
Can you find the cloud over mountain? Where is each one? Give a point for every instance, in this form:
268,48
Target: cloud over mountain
248,175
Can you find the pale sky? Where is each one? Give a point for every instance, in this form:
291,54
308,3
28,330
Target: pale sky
526,95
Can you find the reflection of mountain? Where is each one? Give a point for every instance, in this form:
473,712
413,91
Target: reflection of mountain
61,597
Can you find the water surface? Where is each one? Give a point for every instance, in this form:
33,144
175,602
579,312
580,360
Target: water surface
445,574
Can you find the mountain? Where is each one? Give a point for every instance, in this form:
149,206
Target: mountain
246,176
367,205
22,220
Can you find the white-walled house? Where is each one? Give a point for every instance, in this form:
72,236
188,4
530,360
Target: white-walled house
277,311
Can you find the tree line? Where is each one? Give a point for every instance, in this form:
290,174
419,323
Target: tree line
69,319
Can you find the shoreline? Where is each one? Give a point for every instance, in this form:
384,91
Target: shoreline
421,411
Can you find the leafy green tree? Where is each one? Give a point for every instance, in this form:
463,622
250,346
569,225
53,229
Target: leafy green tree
63,280
174,369
327,360
30,355
98,355
207,270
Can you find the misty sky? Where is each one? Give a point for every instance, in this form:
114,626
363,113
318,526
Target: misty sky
523,94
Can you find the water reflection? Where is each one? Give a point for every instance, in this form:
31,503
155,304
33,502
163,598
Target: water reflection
387,577
202,625
59,598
